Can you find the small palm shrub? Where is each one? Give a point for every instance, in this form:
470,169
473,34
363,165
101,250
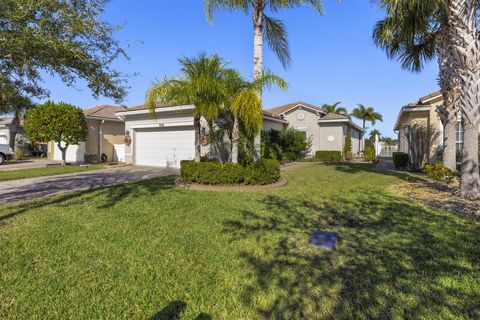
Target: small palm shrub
369,154
440,173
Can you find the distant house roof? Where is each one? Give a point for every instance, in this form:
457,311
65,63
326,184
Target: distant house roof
5,121
423,104
103,111
277,111
334,116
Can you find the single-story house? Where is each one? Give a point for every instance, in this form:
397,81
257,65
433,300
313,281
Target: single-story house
5,130
424,112
169,137
327,131
105,139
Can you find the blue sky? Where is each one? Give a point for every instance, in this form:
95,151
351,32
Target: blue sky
333,56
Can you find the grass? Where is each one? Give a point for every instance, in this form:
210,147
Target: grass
47,171
149,250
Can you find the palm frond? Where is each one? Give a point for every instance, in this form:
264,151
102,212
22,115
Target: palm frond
248,107
210,6
276,35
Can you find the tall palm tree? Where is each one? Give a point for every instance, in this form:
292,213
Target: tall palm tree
264,27
414,31
200,83
366,114
245,104
374,133
335,108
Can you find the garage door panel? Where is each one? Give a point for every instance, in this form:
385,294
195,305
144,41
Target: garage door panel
164,147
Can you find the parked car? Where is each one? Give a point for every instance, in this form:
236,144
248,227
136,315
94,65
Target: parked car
6,153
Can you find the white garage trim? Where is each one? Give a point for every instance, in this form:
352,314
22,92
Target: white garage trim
162,125
163,147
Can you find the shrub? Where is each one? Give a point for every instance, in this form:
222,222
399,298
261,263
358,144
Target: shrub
347,148
262,172
400,159
370,154
328,156
289,144
440,173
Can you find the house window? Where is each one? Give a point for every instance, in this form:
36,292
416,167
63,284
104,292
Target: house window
459,135
303,130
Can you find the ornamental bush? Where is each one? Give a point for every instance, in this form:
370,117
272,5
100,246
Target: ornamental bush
265,171
400,159
328,156
260,172
440,173
369,154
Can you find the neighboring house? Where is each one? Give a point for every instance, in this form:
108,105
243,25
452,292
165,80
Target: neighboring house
327,131
5,130
424,112
168,137
105,140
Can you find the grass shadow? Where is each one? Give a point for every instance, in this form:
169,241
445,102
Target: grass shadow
394,260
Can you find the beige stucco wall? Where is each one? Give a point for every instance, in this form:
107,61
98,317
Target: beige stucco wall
334,130
309,124
113,132
273,125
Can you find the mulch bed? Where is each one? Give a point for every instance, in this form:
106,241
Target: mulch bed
438,197
238,187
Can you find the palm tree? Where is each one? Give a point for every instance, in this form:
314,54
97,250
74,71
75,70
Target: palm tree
201,83
416,31
374,133
264,27
245,104
366,114
334,108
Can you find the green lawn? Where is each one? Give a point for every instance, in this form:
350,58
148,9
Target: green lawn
149,250
48,171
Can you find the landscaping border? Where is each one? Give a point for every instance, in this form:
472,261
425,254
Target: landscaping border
228,188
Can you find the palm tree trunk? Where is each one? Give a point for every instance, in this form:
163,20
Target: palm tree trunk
257,61
463,18
470,180
197,127
235,138
450,143
449,82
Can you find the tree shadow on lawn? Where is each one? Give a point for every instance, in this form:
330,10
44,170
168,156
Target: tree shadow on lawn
362,167
394,260
101,198
174,310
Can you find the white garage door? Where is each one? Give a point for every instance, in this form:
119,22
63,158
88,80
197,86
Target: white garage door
3,140
75,153
164,147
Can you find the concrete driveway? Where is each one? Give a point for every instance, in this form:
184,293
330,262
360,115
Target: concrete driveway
33,188
28,164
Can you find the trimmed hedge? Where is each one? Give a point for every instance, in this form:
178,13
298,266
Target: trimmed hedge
265,171
400,159
329,156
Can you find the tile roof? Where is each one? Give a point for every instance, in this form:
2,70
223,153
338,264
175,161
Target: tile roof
103,111
281,109
334,116
145,107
